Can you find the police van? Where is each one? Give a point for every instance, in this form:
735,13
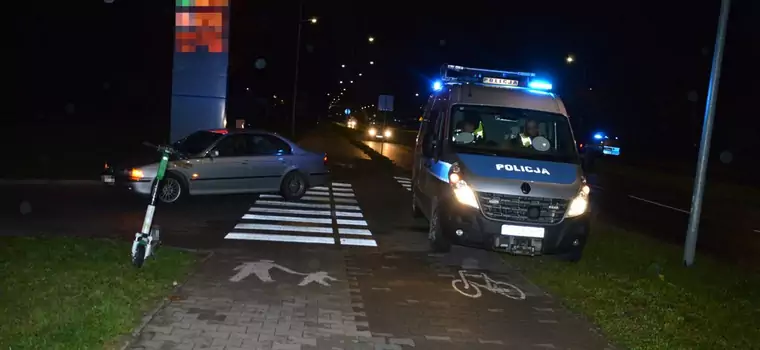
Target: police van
496,165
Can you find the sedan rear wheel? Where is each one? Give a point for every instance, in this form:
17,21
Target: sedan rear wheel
293,186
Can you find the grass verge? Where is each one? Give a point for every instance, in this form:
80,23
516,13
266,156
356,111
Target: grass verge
636,289
71,293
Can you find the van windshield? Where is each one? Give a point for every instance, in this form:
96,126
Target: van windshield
512,132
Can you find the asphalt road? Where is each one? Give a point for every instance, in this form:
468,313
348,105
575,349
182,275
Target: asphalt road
346,267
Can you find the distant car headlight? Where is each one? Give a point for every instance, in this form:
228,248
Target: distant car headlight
372,132
387,133
579,204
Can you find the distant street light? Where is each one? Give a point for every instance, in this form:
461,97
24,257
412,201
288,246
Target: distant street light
340,82
344,89
360,74
371,62
416,94
313,20
570,59
328,94
342,66
371,39
351,81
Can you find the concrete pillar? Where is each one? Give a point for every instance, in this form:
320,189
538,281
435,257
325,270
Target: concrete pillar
199,75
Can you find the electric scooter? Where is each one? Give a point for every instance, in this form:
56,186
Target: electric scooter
147,240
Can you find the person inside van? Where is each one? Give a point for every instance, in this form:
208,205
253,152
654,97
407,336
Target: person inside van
531,131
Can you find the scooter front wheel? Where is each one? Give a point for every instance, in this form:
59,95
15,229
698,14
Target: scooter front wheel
138,259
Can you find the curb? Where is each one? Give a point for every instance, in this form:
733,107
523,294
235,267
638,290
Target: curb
130,339
44,182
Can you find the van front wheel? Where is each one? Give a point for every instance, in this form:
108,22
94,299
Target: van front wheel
438,242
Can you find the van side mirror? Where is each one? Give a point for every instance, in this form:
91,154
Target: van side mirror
213,153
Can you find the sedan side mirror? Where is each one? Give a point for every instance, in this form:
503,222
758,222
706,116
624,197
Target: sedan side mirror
213,153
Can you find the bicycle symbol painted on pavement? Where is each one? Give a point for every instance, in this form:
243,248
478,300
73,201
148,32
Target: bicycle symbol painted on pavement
472,289
261,270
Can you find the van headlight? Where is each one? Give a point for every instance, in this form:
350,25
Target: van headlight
387,133
462,191
579,204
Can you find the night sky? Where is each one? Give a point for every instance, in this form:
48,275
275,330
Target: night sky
636,62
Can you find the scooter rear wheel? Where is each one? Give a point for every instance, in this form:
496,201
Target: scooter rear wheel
138,259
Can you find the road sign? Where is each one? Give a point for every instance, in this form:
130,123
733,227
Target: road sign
385,103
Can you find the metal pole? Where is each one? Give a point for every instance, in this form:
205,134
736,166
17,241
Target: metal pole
704,147
295,79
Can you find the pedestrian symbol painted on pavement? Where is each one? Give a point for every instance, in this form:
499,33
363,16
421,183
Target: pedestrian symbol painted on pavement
261,269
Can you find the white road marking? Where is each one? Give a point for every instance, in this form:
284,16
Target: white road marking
659,204
354,231
261,270
404,182
349,214
317,193
325,221
313,198
279,238
351,222
294,204
313,214
285,228
358,242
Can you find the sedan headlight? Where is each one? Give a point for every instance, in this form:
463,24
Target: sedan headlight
387,133
372,132
462,191
136,174
579,204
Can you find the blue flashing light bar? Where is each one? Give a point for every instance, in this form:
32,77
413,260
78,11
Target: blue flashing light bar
598,136
453,74
437,85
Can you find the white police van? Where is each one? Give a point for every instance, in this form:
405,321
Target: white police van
497,166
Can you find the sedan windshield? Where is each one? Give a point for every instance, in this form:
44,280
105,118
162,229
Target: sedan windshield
512,132
197,142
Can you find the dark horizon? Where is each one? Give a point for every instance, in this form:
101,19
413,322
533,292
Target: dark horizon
640,65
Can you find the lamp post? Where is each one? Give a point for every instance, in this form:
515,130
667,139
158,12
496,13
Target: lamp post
301,21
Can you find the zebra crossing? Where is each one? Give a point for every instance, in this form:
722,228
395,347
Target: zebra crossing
404,181
324,215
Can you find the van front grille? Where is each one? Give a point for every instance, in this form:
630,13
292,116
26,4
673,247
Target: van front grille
503,207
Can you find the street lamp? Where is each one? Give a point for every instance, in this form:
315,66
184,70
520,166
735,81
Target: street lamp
371,39
371,62
340,82
351,81
360,74
301,21
342,66
416,94
569,59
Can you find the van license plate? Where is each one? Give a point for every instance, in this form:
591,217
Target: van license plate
522,231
